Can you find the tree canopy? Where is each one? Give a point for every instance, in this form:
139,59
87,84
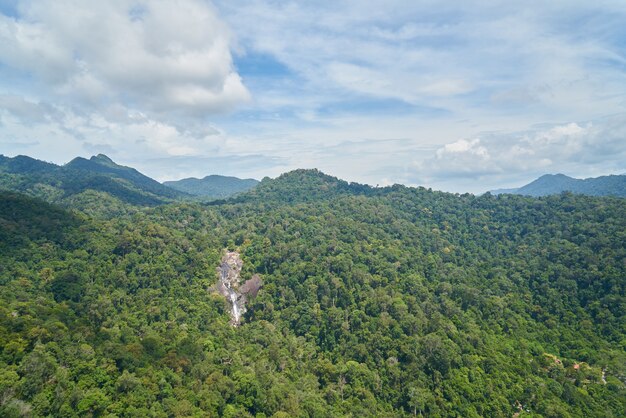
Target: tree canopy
378,302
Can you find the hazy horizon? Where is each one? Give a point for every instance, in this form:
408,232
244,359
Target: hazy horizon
166,180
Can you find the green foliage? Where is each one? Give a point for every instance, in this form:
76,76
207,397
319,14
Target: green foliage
376,302
104,165
65,184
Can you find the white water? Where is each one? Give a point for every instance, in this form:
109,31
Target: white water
229,277
233,300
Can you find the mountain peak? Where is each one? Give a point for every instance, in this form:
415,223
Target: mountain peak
304,185
103,159
24,164
561,175
310,174
103,165
554,176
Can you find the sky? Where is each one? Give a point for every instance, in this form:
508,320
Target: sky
458,96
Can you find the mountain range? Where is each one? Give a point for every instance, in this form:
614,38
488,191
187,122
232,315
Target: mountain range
81,178
614,185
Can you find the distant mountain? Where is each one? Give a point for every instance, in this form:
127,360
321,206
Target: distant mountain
502,191
99,174
104,165
614,185
214,186
22,164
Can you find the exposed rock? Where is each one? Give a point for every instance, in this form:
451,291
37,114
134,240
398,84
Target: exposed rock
229,272
251,287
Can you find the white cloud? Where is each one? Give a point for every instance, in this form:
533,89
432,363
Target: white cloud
156,55
577,149
385,83
463,146
25,110
123,133
447,55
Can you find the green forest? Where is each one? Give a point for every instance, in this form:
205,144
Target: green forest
376,302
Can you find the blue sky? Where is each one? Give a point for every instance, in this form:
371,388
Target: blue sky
458,97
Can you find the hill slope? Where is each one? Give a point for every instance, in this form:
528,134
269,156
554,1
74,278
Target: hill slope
302,186
548,184
23,164
104,165
213,186
98,174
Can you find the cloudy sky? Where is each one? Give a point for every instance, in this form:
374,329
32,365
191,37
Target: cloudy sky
458,96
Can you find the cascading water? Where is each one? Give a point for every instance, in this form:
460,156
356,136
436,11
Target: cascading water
229,271
231,288
233,301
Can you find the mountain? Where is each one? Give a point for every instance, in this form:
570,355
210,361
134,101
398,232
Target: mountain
213,186
81,178
368,302
104,165
302,186
22,164
614,185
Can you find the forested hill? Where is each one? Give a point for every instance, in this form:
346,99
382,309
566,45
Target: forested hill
86,183
558,183
102,164
301,186
213,186
376,302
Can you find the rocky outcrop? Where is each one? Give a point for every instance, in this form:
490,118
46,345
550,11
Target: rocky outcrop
230,286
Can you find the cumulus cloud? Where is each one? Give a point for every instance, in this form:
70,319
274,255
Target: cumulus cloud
26,110
578,149
156,55
118,131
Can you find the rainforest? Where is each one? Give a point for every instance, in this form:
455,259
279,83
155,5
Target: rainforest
359,301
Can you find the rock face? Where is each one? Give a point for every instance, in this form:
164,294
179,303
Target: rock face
229,286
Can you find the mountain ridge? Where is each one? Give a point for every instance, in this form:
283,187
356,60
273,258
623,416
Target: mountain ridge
58,183
213,186
547,184
102,164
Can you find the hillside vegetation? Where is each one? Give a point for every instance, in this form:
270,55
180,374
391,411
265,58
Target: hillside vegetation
381,302
79,179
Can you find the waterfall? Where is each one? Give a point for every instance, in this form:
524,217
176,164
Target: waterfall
233,301
232,289
229,273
